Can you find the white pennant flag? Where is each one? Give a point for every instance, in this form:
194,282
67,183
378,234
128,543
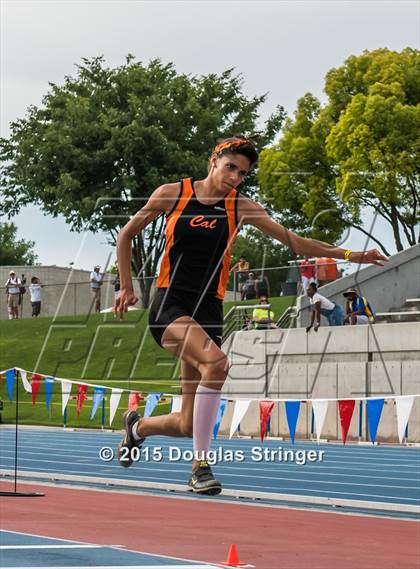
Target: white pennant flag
176,404
65,393
320,408
26,385
241,407
114,401
404,406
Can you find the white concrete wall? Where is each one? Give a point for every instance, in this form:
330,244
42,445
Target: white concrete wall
66,291
335,362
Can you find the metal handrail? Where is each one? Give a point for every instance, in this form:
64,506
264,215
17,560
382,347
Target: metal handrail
235,320
290,313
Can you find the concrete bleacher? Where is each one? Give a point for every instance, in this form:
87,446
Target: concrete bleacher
409,312
335,362
385,287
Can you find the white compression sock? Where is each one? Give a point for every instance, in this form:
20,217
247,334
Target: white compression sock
206,405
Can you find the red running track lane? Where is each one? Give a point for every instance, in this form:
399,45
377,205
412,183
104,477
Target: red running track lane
269,538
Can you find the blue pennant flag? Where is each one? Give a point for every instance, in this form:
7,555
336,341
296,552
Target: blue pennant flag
374,410
151,401
292,413
98,395
48,391
219,417
10,381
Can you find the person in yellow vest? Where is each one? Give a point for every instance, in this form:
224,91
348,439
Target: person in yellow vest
263,318
358,309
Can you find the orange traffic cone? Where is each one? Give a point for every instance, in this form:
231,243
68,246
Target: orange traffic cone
232,558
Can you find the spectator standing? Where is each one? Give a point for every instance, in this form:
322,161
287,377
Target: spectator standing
263,285
263,318
13,286
241,269
321,305
249,288
95,284
358,309
117,284
307,273
35,292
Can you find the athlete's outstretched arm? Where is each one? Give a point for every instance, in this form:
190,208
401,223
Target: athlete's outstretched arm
254,214
159,202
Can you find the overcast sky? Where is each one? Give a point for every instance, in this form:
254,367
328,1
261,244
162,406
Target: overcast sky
283,48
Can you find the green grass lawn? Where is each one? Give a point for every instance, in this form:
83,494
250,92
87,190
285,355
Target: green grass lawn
95,348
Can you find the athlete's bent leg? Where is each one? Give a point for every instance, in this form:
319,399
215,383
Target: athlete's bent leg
185,338
175,424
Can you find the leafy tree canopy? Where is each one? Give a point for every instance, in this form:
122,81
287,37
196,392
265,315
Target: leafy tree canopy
15,251
360,150
105,139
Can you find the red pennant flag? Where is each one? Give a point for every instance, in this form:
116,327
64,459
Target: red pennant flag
133,400
345,409
266,408
35,385
81,396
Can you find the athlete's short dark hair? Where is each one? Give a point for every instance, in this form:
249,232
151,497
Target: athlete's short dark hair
237,144
313,285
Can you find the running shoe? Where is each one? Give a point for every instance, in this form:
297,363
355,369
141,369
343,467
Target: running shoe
125,454
202,481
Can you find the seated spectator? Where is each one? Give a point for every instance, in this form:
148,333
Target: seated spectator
358,309
262,284
307,273
263,318
321,305
35,292
249,288
241,269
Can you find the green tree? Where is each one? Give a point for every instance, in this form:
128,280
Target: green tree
361,150
15,251
105,139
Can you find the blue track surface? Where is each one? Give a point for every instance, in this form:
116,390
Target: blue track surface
366,473
20,550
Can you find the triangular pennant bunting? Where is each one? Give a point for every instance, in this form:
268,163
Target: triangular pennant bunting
176,404
239,411
133,400
35,385
292,413
345,409
98,395
10,382
151,401
266,407
219,417
320,408
65,394
49,382
403,408
374,409
114,402
81,396
26,385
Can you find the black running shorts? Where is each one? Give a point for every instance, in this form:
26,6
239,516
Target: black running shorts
168,305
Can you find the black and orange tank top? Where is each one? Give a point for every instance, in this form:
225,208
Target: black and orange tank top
199,239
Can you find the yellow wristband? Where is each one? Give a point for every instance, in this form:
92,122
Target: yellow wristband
347,254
